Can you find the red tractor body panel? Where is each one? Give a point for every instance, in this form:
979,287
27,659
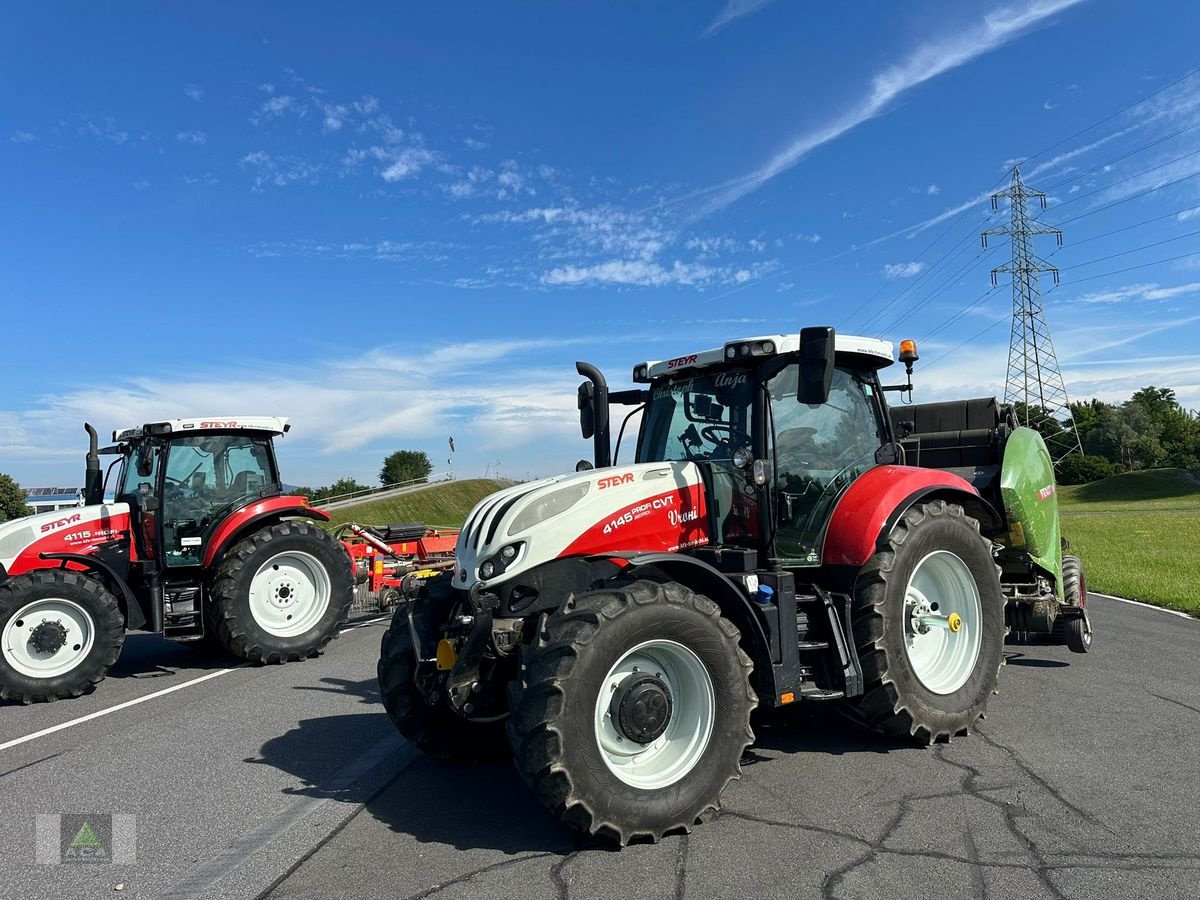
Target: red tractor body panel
871,501
252,512
663,523
77,531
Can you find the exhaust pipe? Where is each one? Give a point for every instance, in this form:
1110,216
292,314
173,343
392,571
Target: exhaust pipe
93,486
599,409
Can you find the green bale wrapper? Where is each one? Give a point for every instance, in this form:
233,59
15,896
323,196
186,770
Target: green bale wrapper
1031,503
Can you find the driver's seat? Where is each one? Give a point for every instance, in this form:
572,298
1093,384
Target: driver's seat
247,482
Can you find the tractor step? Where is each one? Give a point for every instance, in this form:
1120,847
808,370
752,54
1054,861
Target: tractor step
182,620
815,693
813,645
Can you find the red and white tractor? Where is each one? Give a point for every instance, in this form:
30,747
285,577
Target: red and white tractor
200,544
781,537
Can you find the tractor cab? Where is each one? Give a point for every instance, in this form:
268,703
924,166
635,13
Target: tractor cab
782,424
184,477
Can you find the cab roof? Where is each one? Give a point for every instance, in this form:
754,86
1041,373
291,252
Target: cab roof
869,351
265,424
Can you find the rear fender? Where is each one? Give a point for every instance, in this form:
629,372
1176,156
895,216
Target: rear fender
869,510
254,515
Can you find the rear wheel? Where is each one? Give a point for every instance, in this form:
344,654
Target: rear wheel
929,626
281,594
1077,630
634,711
60,631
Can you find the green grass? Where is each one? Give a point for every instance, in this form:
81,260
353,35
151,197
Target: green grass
442,505
1138,535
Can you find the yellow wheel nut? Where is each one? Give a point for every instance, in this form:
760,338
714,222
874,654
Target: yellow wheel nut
954,623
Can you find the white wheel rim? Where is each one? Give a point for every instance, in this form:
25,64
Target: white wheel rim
673,754
290,593
17,642
942,594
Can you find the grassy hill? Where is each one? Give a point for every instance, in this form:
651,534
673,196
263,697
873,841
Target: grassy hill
1138,535
442,505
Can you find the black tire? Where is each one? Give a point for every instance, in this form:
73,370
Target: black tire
1074,631
552,730
230,619
435,730
895,702
106,619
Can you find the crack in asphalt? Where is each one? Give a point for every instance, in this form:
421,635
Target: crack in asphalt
561,887
1173,700
681,861
475,873
1042,782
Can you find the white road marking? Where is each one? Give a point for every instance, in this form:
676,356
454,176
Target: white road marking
152,696
1173,612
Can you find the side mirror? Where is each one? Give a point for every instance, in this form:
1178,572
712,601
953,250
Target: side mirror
587,414
145,462
583,466
816,364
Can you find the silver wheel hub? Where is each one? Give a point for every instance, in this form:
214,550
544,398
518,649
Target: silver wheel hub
943,622
654,714
290,593
48,638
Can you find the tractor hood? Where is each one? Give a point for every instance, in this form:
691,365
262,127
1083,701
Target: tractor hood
646,507
77,530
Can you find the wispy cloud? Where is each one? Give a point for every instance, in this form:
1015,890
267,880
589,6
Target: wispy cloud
734,9
278,171
194,92
927,61
191,137
903,270
104,129
22,137
1140,292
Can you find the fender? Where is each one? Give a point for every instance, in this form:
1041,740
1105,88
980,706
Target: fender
870,508
252,514
715,585
134,616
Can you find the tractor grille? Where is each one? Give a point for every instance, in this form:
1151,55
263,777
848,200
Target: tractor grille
481,527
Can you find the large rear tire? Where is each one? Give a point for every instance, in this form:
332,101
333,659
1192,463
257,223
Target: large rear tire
60,631
281,594
929,626
634,711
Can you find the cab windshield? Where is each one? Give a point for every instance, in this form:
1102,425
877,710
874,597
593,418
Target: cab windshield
701,417
207,475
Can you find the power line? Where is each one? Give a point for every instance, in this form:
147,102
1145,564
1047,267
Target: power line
1112,116
1157,262
1113,184
1092,262
1096,237
1116,159
1153,190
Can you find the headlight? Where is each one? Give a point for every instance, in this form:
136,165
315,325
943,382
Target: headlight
496,565
551,505
488,569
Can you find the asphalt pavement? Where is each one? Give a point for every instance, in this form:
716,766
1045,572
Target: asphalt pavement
289,782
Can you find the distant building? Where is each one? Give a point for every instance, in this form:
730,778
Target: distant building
50,499
53,499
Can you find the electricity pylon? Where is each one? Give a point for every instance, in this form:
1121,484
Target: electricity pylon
1034,384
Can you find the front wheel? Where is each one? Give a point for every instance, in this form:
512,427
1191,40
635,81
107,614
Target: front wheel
281,594
1077,630
929,626
634,711
60,631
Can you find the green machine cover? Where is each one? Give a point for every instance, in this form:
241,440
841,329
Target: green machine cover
1031,502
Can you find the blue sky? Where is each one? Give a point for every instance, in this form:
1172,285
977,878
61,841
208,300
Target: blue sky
400,222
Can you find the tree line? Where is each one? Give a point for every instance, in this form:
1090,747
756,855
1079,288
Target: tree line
1150,430
400,466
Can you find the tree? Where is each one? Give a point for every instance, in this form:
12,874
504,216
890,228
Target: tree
405,465
342,486
1077,469
12,499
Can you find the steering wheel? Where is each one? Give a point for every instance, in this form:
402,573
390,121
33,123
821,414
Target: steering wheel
711,433
171,480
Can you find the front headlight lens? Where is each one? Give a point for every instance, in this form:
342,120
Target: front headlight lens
551,505
487,569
